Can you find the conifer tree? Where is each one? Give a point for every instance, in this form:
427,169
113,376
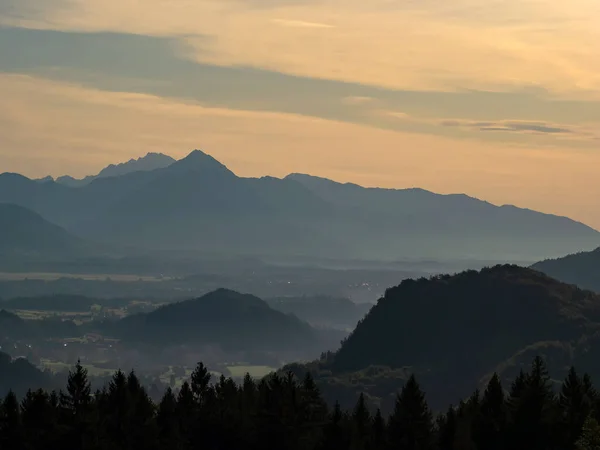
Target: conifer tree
76,408
142,431
447,430
533,409
335,436
167,423
11,427
200,381
78,397
114,405
493,416
411,425
186,415
575,407
39,418
361,424
248,405
378,432
313,410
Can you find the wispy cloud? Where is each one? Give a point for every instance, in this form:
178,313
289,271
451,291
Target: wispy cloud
156,65
301,24
514,126
357,100
426,45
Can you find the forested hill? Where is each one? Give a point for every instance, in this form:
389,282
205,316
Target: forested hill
582,269
223,317
468,320
457,330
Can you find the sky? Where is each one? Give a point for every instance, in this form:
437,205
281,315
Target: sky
499,99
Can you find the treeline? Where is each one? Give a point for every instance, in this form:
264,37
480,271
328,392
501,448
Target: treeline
281,413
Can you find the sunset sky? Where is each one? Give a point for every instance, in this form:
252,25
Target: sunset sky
499,99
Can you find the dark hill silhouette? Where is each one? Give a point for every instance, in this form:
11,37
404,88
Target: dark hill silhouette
14,327
233,321
199,204
151,161
20,375
582,269
454,331
24,233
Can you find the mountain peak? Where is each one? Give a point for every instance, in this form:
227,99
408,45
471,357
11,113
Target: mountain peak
151,161
198,161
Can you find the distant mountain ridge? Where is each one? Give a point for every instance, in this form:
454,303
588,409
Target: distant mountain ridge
151,161
197,203
25,233
581,269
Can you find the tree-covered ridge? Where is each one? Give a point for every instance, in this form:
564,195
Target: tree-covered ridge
582,269
459,329
282,412
484,317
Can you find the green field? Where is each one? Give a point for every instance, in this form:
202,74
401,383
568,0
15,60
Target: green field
254,371
57,367
39,315
49,276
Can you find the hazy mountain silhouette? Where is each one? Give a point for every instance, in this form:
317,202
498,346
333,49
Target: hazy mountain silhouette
322,310
199,204
440,219
234,321
151,161
457,330
20,375
582,269
24,233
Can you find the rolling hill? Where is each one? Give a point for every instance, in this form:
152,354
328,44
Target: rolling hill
582,269
19,376
199,204
457,330
225,318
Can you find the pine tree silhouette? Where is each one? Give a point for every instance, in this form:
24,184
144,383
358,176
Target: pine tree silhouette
410,425
575,406
493,416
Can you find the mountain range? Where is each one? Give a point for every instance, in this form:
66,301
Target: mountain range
151,161
197,203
